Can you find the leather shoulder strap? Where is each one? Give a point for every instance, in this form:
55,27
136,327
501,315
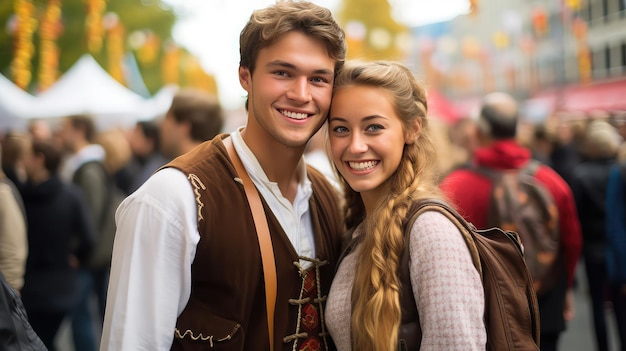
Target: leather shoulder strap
263,235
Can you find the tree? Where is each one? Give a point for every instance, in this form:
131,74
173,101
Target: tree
371,31
139,27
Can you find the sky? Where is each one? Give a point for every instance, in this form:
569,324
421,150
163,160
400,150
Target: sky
210,30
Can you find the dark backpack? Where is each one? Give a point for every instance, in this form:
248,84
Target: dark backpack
16,334
520,203
511,309
105,220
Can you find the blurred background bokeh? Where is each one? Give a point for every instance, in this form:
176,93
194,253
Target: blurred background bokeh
122,61
556,56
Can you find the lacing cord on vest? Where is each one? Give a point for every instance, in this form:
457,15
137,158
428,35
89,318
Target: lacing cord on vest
297,302
297,336
301,301
316,261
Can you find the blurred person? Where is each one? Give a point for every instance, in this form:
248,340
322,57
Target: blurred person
187,271
578,132
144,141
84,166
60,238
117,149
615,231
381,144
14,146
542,145
117,156
40,129
525,133
589,186
619,121
440,133
470,190
195,116
566,151
462,136
14,247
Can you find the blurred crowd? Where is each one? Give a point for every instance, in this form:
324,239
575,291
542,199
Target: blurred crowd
587,150
61,183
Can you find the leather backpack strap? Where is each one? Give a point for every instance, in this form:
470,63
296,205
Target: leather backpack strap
464,226
263,235
410,331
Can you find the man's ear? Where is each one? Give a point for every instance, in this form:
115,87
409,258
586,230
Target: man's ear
413,131
185,127
245,78
483,133
40,159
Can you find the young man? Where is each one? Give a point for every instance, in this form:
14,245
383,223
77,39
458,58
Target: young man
61,236
187,270
84,167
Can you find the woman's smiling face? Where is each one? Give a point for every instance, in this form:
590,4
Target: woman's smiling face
367,137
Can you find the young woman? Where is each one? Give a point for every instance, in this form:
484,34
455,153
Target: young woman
380,144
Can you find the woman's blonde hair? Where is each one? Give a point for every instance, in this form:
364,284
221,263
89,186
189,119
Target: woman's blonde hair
376,313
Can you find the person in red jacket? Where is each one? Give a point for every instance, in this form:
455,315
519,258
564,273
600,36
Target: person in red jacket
470,191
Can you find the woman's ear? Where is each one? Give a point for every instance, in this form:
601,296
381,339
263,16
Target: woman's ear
413,131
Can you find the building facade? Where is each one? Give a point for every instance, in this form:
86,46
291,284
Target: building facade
554,55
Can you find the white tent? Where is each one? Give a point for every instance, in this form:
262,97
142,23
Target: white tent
86,88
15,103
158,104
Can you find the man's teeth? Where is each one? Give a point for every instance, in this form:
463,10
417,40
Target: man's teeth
294,115
362,166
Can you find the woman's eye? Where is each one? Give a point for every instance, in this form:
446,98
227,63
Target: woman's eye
340,129
374,128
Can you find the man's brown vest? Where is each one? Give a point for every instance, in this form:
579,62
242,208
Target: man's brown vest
226,309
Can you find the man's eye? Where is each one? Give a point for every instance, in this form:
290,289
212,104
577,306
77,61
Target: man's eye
319,80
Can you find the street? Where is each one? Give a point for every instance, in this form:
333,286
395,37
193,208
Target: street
579,334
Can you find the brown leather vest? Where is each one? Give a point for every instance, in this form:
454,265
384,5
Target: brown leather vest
226,310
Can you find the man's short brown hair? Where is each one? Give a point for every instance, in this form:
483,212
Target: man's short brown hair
84,123
201,110
267,26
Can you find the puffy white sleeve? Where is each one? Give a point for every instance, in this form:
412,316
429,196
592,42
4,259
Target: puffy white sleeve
447,288
154,248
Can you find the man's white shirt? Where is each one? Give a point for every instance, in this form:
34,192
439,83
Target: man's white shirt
155,245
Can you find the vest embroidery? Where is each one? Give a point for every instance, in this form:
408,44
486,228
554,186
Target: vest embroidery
197,185
310,323
200,336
